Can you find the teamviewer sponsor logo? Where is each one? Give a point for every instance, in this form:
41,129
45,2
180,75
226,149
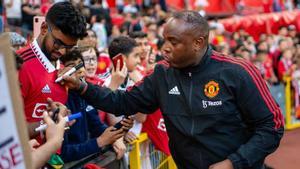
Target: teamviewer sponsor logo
174,91
211,103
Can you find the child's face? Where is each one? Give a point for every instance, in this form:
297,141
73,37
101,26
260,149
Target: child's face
90,62
143,43
79,73
133,59
288,54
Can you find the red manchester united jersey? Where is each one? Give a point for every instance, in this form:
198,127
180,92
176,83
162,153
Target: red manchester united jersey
37,76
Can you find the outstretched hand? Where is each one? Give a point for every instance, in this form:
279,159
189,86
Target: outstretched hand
55,132
71,82
109,136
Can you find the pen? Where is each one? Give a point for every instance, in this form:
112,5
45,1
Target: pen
69,72
67,119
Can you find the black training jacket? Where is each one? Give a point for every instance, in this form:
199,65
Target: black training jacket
220,109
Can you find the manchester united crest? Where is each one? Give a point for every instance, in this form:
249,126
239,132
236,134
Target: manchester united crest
211,89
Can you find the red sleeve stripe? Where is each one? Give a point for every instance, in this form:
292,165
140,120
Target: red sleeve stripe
25,53
29,57
253,72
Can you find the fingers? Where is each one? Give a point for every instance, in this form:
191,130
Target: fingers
68,78
127,123
61,121
64,111
117,136
33,143
61,72
47,118
130,137
118,65
51,104
118,152
113,70
124,69
71,123
115,132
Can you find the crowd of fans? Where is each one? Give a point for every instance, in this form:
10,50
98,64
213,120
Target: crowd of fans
135,31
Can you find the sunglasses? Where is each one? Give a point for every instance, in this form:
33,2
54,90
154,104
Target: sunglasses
58,44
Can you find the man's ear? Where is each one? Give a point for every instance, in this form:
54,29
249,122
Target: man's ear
198,43
44,29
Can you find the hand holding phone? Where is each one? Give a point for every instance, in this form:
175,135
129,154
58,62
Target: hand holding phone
115,60
127,121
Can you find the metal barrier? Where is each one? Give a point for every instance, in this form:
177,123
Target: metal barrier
290,120
157,158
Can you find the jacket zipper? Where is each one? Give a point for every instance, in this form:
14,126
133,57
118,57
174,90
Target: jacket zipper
190,102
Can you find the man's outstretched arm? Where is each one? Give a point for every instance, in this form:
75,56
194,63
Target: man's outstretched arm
141,98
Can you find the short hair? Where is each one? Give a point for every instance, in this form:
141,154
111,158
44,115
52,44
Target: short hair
65,17
137,34
88,48
195,20
281,40
245,50
121,44
262,52
72,55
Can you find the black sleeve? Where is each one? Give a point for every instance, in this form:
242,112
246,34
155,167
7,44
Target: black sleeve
141,98
261,113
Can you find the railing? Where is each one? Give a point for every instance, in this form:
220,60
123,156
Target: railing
157,158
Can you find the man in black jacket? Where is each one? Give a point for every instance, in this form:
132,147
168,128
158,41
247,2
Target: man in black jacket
218,111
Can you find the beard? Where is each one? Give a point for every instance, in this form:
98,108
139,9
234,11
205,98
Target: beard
45,51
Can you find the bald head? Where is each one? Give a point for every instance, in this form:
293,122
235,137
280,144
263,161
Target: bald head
195,23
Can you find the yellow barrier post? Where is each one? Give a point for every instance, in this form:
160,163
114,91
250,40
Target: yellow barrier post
288,106
171,163
134,155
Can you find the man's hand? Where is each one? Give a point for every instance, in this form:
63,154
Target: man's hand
127,123
119,147
226,164
109,136
70,82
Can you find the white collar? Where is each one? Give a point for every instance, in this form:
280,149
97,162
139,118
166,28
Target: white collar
42,58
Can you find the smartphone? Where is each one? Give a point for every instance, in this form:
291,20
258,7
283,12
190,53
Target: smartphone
115,61
37,22
119,125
